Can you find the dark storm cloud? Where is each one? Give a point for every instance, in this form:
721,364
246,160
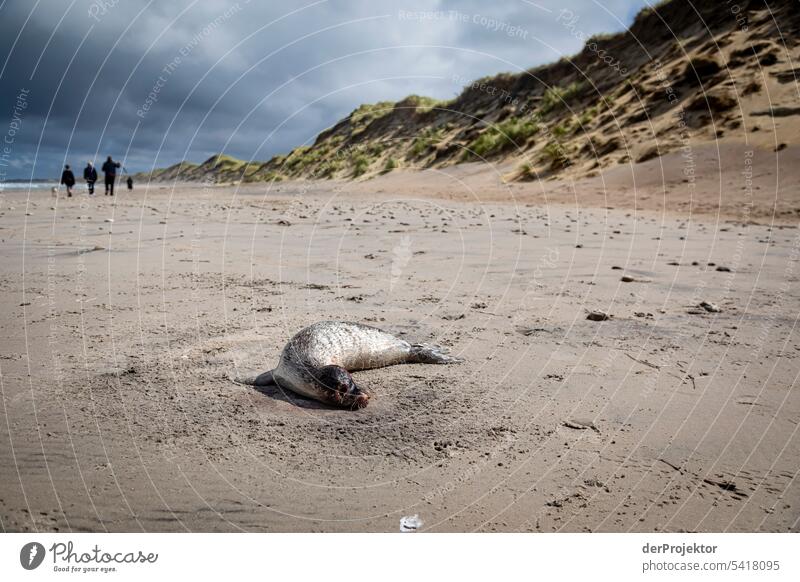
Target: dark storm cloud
157,82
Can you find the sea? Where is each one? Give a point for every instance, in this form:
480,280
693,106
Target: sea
28,185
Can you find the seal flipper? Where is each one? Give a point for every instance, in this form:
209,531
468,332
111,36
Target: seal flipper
428,354
265,379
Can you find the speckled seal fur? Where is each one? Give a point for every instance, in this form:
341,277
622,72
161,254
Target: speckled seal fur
317,361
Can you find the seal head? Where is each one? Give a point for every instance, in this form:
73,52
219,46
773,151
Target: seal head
337,386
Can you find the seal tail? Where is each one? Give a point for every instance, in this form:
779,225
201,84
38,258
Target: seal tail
265,379
430,354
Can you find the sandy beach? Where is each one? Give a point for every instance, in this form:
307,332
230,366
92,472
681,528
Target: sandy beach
124,320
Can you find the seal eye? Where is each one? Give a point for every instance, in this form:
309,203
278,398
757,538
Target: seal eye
350,386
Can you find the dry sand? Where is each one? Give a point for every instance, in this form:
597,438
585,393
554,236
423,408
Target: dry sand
119,339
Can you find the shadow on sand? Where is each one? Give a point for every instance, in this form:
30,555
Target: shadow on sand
277,393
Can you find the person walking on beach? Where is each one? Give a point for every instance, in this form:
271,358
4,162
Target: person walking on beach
130,183
68,179
90,175
110,171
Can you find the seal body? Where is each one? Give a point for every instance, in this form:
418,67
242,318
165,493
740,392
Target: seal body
317,361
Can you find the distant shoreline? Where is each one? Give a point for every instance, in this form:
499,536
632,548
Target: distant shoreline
27,184
29,181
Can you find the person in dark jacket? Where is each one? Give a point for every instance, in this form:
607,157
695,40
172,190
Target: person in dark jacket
130,183
90,175
68,179
110,171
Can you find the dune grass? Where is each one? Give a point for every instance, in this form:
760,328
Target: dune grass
361,164
427,140
556,155
513,132
556,98
391,164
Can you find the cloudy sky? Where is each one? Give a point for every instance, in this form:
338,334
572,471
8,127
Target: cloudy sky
154,82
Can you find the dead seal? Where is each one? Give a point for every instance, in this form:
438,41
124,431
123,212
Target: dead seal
317,361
